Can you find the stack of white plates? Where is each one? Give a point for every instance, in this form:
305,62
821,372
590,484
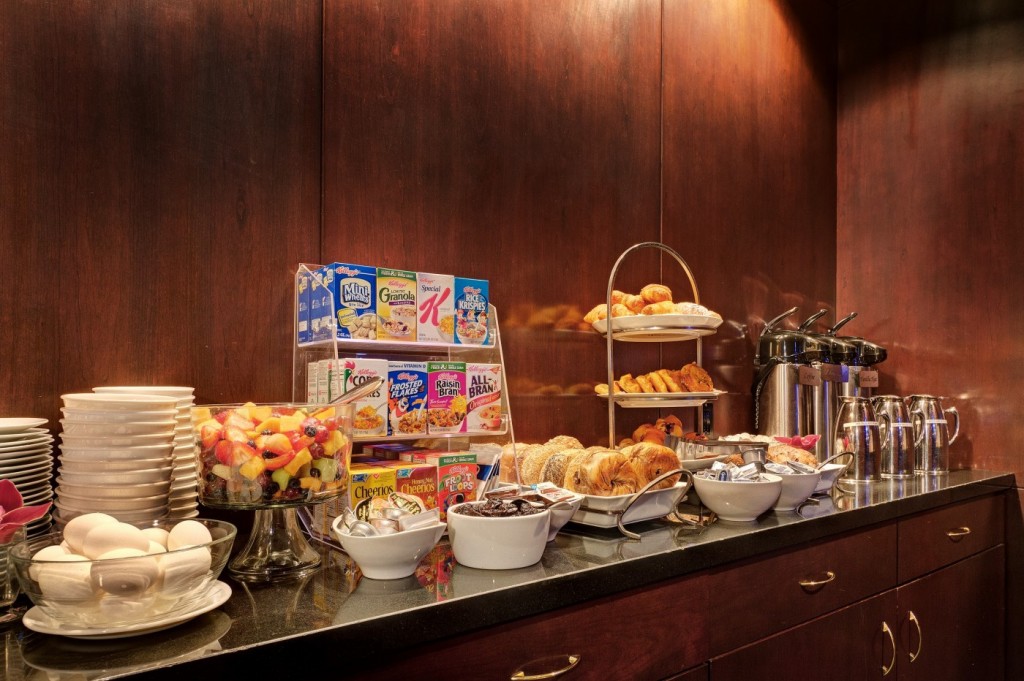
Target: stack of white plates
182,498
116,456
26,459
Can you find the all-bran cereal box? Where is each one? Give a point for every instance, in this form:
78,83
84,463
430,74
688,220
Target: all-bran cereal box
446,397
370,417
354,289
435,306
396,305
471,298
407,398
456,478
483,398
368,489
415,483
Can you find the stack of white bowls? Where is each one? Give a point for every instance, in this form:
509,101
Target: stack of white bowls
116,456
182,498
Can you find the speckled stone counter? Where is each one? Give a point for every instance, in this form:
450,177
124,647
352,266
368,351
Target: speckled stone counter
310,626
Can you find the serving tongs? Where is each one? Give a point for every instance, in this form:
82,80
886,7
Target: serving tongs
359,391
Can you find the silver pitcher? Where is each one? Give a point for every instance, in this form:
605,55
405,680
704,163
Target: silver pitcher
931,433
897,434
856,433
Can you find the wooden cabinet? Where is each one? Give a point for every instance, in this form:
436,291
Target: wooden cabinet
928,541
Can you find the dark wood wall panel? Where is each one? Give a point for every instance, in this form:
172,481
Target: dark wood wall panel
160,179
931,193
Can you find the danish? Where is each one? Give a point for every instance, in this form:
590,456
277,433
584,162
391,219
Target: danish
645,384
649,460
664,307
696,379
656,293
658,382
670,382
629,384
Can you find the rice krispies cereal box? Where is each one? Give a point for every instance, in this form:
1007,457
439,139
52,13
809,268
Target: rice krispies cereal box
396,305
446,397
471,299
435,307
483,398
456,478
370,417
407,398
354,289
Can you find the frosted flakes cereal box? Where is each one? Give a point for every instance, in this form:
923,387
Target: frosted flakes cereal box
407,398
368,489
435,305
456,478
354,288
446,397
370,417
483,398
396,305
471,297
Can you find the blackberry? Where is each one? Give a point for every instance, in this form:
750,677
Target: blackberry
310,431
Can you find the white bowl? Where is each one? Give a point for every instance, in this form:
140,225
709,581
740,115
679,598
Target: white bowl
175,391
63,514
73,440
112,478
389,556
117,415
146,489
563,514
738,501
161,451
796,489
76,503
830,472
115,429
497,543
113,465
117,402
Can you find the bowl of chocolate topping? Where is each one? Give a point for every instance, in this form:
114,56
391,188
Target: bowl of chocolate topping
497,534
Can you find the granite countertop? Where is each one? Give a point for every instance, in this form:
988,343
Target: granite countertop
312,620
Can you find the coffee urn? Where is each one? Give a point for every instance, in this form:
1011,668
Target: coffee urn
836,356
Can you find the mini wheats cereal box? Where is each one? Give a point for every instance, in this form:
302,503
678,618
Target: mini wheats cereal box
471,297
396,305
370,411
435,305
407,398
456,478
354,288
483,398
446,397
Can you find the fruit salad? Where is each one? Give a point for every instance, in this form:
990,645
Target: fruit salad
257,456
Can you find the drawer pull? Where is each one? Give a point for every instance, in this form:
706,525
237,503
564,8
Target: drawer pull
920,638
892,642
958,534
812,585
572,660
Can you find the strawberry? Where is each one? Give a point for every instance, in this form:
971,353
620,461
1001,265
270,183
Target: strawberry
210,435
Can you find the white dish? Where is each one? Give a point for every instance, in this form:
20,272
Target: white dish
796,489
118,402
502,543
658,400
26,465
29,435
216,595
116,416
44,445
114,491
18,425
389,556
659,328
111,465
115,478
178,392
112,429
830,472
72,440
603,511
739,501
125,452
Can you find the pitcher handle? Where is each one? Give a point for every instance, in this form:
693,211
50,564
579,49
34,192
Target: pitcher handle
917,419
956,419
884,426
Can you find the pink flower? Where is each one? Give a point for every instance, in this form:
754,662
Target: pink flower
12,514
806,442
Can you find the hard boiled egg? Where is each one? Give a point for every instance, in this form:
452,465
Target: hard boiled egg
188,533
107,537
125,572
182,568
156,534
79,526
66,581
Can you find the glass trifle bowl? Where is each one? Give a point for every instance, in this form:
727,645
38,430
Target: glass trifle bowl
272,459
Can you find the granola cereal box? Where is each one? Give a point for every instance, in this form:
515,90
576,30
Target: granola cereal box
456,478
368,489
471,299
370,418
435,307
354,289
407,398
446,397
483,398
396,305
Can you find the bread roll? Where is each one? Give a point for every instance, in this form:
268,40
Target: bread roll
649,460
565,442
656,293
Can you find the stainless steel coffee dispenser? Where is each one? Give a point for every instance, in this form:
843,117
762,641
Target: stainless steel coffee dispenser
833,364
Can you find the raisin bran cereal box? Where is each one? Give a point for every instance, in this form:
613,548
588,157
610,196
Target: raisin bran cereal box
416,483
354,288
407,398
435,305
471,297
483,398
368,489
396,305
370,417
446,397
456,478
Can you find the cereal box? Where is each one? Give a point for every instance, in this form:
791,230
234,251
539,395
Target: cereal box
483,398
471,297
396,305
328,380
312,373
320,310
446,397
456,478
407,398
370,411
303,328
368,489
435,305
416,483
354,288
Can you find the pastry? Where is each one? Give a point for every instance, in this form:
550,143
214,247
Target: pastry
633,302
645,384
649,460
664,307
696,379
671,425
780,453
670,382
565,442
629,384
656,293
620,310
601,473
617,297
597,313
658,382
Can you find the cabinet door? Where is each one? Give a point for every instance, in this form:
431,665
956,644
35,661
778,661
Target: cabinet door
854,643
951,622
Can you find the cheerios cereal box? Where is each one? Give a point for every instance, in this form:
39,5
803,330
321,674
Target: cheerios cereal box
471,298
435,307
483,398
354,290
370,417
396,305
446,397
368,489
407,398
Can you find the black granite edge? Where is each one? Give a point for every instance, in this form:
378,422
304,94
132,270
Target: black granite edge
402,632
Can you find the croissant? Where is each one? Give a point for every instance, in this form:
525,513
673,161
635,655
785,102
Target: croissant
617,297
620,310
633,302
649,460
656,293
597,313
664,307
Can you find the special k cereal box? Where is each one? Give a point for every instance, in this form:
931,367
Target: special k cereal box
416,482
446,397
456,478
407,398
370,416
396,305
368,489
354,288
435,305
471,297
483,398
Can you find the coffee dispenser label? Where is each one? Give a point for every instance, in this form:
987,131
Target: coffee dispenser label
835,373
868,378
810,376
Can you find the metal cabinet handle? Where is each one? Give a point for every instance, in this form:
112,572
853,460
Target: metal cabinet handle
814,585
958,534
520,675
892,642
920,638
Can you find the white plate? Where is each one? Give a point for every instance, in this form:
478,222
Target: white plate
658,328
216,595
21,466
602,511
27,434
18,425
105,429
176,391
30,447
657,400
116,416
27,481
